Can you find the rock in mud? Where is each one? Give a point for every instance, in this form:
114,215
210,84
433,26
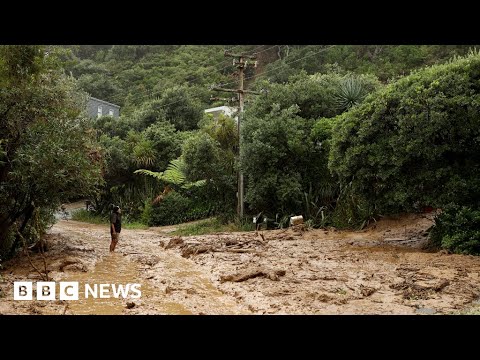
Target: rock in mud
425,311
149,260
367,291
64,264
79,248
75,267
130,305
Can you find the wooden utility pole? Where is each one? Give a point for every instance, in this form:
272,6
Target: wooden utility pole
241,62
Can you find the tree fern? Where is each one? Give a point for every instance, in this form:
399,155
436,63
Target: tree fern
174,174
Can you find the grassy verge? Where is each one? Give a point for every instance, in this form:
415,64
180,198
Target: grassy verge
210,226
86,216
89,217
134,225
202,227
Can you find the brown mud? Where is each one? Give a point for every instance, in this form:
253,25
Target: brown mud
384,269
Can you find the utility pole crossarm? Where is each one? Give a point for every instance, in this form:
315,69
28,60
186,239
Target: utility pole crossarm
226,90
236,91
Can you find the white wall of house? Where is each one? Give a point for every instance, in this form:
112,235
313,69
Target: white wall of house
225,110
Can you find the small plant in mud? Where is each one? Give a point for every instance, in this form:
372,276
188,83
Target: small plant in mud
341,291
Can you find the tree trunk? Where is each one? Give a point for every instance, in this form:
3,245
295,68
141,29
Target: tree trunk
28,215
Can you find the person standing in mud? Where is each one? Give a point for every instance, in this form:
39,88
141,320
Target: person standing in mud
115,226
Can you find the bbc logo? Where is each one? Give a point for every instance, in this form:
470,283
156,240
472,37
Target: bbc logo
46,290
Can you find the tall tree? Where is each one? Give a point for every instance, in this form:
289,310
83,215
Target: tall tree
48,152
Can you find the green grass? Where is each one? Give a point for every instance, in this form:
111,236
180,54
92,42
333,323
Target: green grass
135,226
86,216
202,227
210,226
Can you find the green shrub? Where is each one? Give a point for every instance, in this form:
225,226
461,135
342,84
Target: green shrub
147,212
457,229
286,138
414,143
176,208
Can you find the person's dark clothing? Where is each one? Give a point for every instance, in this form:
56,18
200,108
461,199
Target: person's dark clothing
116,220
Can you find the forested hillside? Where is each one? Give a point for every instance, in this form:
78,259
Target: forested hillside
130,75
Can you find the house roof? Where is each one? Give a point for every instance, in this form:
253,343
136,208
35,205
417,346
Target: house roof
103,101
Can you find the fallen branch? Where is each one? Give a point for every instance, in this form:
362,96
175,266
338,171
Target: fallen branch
136,253
194,250
271,274
237,250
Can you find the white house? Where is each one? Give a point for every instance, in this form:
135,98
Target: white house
225,110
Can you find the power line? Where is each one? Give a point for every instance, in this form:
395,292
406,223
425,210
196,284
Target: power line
261,74
271,47
212,71
250,52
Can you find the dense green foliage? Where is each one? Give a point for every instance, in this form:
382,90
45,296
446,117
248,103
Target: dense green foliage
48,152
385,61
130,75
414,143
210,156
285,152
457,229
177,208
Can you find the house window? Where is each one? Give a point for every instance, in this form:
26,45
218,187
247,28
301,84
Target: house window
110,112
100,111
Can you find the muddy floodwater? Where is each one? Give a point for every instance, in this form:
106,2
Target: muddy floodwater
385,269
